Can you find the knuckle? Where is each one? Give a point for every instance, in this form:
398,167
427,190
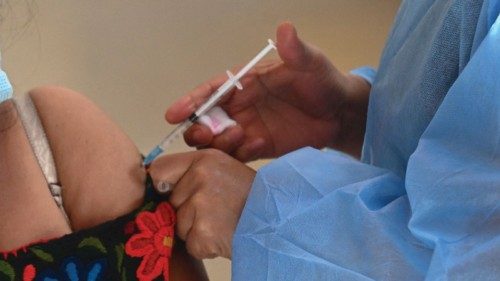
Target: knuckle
182,214
181,233
193,249
204,231
197,202
193,101
191,137
201,251
175,201
211,253
182,225
207,87
201,173
211,250
202,242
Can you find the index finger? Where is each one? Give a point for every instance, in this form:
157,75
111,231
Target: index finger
183,107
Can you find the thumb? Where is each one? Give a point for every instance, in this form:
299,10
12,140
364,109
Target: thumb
171,168
294,53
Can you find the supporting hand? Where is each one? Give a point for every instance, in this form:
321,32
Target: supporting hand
209,194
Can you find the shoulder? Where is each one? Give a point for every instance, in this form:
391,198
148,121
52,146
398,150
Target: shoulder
97,164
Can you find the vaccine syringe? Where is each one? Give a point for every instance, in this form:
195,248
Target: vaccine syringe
231,82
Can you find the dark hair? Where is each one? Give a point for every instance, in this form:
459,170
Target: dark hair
15,19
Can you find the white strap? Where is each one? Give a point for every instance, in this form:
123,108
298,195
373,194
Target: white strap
40,145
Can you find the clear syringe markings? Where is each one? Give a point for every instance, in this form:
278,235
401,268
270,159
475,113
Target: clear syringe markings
231,82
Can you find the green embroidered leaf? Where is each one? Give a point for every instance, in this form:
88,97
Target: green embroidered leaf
148,207
120,250
93,242
7,269
124,275
42,254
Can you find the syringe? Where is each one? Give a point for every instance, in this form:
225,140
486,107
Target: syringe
231,82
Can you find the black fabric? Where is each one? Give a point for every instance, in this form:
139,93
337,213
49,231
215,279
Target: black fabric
97,253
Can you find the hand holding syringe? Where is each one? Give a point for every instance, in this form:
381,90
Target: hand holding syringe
232,81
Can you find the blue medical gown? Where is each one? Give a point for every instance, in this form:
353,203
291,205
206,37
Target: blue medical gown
424,202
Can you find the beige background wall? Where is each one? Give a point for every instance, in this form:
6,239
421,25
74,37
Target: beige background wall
134,57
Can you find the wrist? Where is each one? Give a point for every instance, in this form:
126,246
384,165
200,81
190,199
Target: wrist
352,115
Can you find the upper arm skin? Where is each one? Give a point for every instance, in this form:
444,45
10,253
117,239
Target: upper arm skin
98,166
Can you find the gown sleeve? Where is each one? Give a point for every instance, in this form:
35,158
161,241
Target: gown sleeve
321,215
366,72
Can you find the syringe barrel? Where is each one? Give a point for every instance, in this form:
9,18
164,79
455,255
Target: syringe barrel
215,98
179,130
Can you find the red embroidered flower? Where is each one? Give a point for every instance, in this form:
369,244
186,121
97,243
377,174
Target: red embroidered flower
154,242
129,228
29,272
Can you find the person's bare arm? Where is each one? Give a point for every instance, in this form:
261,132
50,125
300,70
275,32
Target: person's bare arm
99,167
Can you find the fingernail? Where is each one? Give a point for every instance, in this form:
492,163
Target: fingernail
164,187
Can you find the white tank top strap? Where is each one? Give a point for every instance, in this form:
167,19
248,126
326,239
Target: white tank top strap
40,145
